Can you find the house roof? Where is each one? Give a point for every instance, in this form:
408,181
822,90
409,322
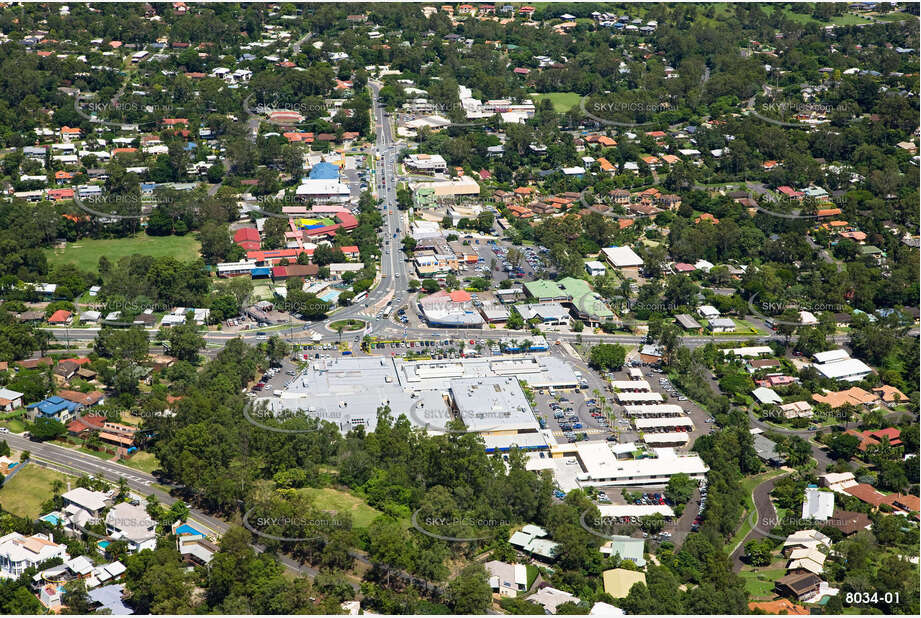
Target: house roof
61,315
848,522
780,606
799,582
617,582
866,493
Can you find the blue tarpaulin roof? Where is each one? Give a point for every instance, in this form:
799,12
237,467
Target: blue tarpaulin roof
324,171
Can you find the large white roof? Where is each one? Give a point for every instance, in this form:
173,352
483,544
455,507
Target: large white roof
622,257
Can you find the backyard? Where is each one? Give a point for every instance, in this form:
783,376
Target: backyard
24,494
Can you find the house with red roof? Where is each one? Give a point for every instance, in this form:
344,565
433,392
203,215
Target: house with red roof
70,133
707,217
85,425
770,165
61,194
61,316
791,193
281,273
351,252
172,122
298,137
62,178
871,439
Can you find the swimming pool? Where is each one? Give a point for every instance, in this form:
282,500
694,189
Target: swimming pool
52,519
187,529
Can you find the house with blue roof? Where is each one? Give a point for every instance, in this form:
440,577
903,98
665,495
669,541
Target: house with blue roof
324,171
55,408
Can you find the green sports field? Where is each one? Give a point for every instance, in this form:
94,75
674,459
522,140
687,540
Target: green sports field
85,253
562,101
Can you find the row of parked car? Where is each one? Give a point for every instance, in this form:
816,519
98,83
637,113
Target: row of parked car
653,498
700,507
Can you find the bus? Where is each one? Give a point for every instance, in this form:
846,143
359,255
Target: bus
359,297
387,311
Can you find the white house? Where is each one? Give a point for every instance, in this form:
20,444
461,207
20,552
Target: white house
132,524
10,399
505,579
766,396
18,553
818,505
708,312
595,268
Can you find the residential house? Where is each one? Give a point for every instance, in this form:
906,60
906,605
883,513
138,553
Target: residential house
805,539
19,553
618,582
687,322
132,524
532,540
10,399
55,408
818,505
551,598
799,586
506,579
855,396
872,440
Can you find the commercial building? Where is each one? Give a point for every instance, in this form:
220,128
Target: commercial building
482,392
838,365
624,259
600,466
426,163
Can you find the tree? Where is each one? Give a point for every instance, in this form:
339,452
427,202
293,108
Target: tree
216,243
430,286
680,488
514,321
843,446
45,429
607,356
758,552
514,256
122,344
184,341
469,592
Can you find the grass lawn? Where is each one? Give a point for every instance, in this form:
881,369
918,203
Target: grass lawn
143,461
15,425
894,17
562,101
347,325
533,572
760,583
849,19
24,494
329,499
85,253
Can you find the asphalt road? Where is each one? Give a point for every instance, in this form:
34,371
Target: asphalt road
766,516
